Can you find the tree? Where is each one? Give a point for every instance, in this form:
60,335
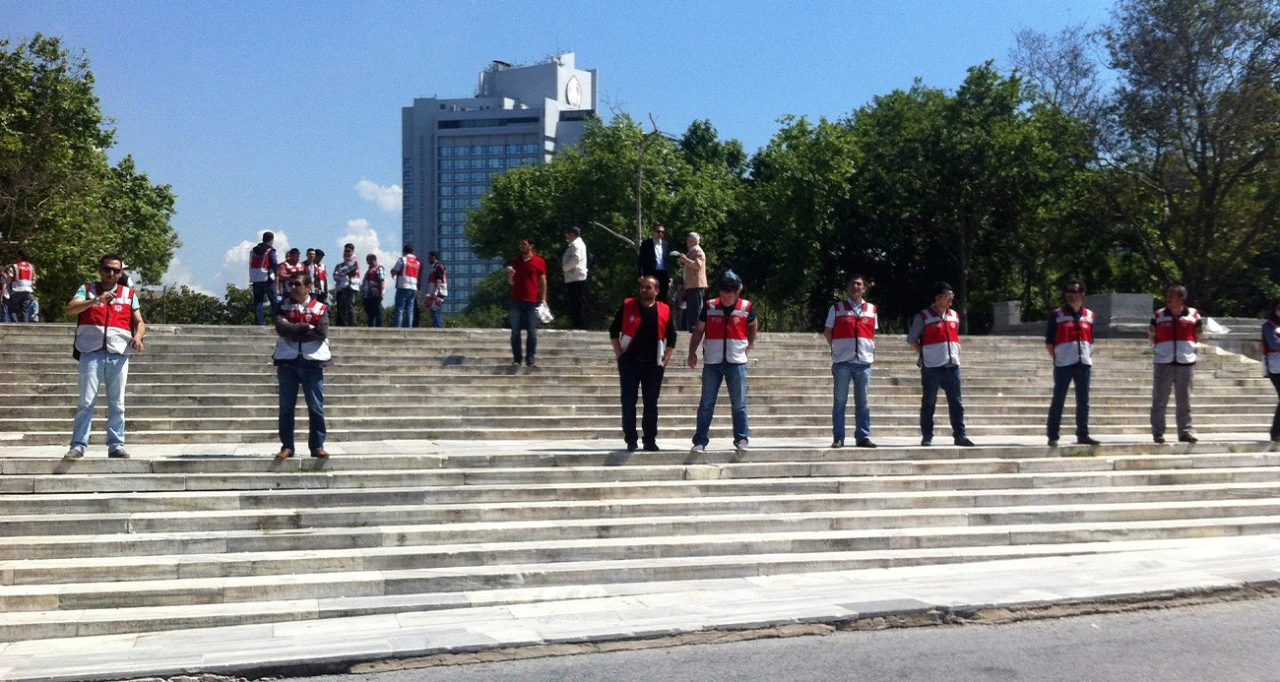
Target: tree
1195,136
59,197
182,305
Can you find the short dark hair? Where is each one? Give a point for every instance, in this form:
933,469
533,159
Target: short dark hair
302,275
267,236
111,256
529,239
293,251
1177,289
349,245
1079,283
573,229
856,276
433,254
730,284
320,253
940,288
22,255
408,248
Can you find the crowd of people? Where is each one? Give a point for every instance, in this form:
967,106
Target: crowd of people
643,335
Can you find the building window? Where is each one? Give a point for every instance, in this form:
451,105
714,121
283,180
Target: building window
512,161
531,149
446,177
446,190
446,164
446,203
446,151
495,163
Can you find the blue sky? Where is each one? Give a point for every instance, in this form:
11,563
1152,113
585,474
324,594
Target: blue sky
286,115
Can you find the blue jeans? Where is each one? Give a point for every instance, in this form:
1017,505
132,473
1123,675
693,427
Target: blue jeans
437,318
95,368
948,379
736,378
860,374
524,316
310,376
262,293
1062,378
404,307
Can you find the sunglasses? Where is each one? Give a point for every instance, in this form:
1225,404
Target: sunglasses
114,271
298,284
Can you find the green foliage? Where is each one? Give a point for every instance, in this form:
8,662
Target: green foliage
182,305
238,305
59,197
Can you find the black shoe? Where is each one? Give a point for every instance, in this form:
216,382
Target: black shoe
1053,442
926,442
118,453
1158,439
631,447
1086,440
517,363
530,363
1275,439
651,447
1188,438
837,444
866,443
964,442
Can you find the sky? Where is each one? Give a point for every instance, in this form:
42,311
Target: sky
285,116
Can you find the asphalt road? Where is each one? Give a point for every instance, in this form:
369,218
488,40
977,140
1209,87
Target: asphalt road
1237,641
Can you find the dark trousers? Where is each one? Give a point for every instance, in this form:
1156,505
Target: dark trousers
645,377
524,315
575,295
948,379
262,292
1275,421
664,285
693,302
310,376
346,307
373,311
322,296
1062,378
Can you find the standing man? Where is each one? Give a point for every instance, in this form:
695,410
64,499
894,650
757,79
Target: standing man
371,290
728,324
22,286
1175,331
346,279
319,275
292,263
527,275
436,291
935,336
695,280
652,261
109,326
574,263
1069,340
406,273
851,333
263,264
302,353
643,334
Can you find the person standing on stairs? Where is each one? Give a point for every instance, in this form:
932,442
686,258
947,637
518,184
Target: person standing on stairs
1069,340
302,353
643,335
935,336
1271,360
728,325
851,332
1175,330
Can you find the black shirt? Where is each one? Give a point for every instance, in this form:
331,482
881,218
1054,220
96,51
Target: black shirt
644,347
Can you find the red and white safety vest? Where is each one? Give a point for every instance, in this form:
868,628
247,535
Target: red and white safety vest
631,324
319,277
1072,338
1270,356
726,333
24,277
285,271
1176,336
260,265
853,336
406,272
347,274
940,340
371,281
309,312
106,326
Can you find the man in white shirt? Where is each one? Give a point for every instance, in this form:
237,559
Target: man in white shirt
574,263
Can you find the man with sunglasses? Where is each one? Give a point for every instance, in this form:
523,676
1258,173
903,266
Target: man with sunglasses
643,334
302,353
652,261
109,327
1069,341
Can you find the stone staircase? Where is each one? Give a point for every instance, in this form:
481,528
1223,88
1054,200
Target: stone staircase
459,481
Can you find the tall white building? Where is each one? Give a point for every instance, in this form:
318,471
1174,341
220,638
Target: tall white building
454,148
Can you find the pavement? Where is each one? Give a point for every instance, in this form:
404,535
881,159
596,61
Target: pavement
1129,572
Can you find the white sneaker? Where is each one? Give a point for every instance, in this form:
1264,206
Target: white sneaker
698,449
741,445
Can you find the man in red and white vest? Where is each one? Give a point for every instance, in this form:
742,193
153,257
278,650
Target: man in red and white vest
935,336
643,335
406,273
109,327
302,353
263,264
319,275
292,264
1069,340
726,330
21,278
851,332
1175,330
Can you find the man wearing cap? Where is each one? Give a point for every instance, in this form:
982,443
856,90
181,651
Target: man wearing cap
643,334
728,325
935,337
851,332
1175,331
1069,340
652,261
574,263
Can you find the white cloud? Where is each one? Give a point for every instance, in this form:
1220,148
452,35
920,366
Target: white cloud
235,262
388,197
179,275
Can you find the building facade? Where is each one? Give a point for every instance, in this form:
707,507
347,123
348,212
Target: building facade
454,148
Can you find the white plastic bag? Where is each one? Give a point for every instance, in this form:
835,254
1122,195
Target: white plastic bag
544,314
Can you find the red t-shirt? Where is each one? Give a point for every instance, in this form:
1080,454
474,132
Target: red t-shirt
525,285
